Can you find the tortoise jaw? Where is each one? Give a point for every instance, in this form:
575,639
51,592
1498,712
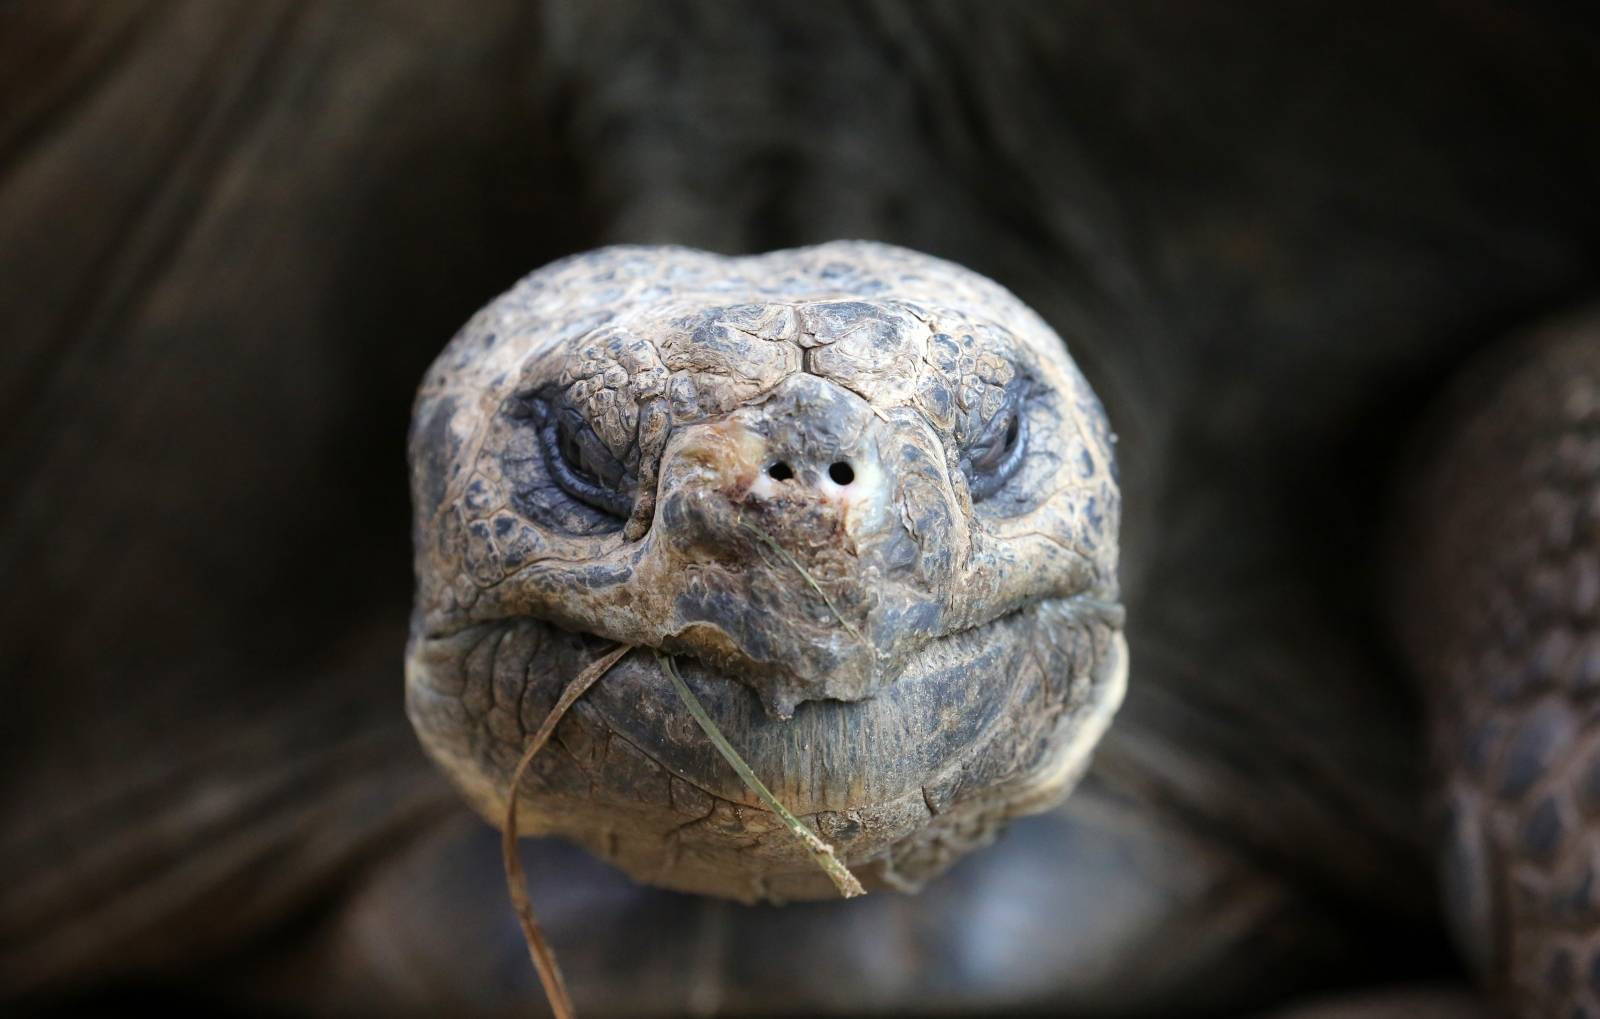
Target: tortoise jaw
994,719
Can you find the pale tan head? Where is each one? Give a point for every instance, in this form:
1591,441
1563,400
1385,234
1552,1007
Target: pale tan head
862,493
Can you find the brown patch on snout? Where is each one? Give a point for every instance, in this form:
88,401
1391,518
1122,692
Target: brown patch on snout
726,450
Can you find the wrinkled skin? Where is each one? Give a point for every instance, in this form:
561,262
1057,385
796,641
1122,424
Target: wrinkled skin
863,494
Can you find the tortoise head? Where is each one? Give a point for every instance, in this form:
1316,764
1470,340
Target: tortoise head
861,495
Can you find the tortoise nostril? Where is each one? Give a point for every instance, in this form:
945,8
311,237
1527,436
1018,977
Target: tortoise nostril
780,471
842,473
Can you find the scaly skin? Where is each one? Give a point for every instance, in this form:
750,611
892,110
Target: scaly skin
1499,602
863,492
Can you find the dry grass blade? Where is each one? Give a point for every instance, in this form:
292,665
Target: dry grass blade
544,960
820,851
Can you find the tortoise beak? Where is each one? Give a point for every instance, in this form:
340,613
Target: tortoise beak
804,545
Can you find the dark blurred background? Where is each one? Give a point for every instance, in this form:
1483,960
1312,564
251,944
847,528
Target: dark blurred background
232,235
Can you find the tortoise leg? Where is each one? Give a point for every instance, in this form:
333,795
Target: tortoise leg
1498,603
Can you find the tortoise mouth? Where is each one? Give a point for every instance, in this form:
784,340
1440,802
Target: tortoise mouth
833,755
830,755
979,719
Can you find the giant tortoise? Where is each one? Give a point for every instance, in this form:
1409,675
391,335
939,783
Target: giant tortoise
1322,273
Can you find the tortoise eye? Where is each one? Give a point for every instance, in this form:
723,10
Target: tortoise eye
998,451
582,469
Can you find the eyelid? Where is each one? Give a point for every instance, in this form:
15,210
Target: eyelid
599,497
991,439
984,480
989,482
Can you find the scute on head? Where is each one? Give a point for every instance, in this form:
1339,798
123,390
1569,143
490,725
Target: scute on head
901,639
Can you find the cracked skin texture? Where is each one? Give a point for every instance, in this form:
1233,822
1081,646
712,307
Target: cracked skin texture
644,445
